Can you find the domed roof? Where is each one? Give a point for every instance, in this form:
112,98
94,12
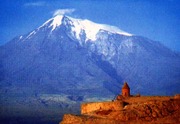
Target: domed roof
125,86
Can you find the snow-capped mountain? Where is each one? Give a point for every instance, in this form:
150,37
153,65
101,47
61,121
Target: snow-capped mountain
85,61
79,27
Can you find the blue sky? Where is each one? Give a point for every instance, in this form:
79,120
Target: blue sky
155,19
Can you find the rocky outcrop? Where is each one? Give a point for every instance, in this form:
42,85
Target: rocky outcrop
152,111
136,110
101,106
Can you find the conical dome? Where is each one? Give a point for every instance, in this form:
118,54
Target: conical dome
125,86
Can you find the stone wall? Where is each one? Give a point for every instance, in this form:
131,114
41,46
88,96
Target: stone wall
100,106
177,96
137,110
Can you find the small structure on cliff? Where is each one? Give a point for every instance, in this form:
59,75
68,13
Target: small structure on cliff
138,110
125,92
116,105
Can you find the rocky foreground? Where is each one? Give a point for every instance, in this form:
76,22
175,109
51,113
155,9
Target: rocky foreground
145,109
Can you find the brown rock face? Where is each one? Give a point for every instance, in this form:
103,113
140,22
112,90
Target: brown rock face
154,110
136,110
100,106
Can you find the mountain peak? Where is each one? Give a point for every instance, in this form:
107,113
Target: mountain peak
78,26
57,20
53,22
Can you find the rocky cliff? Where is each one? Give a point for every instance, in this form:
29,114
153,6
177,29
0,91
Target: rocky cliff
147,109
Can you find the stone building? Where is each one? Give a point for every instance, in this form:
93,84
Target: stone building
125,90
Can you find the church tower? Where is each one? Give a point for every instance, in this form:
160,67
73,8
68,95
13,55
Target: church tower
125,90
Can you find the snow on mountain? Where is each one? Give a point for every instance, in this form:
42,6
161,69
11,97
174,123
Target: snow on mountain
56,22
79,25
91,28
